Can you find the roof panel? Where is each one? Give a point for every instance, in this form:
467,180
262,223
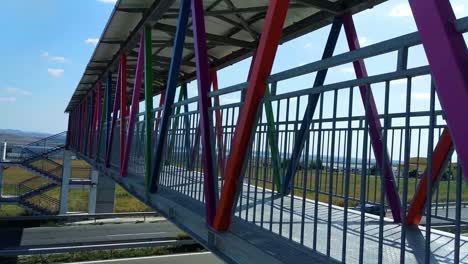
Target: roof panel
232,26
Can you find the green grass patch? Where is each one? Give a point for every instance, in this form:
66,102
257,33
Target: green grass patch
102,255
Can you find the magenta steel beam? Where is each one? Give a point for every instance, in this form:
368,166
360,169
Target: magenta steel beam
448,58
115,113
123,106
261,69
203,78
135,104
381,156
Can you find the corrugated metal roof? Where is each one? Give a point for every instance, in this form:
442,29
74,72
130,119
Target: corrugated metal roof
233,28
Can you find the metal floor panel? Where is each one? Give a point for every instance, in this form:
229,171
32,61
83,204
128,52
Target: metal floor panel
442,243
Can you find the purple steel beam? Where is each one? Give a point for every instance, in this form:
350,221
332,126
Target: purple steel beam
381,155
115,112
203,78
135,103
448,58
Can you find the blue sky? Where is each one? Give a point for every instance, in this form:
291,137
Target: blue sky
47,44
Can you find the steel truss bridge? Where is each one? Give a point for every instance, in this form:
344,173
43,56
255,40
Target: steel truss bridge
353,171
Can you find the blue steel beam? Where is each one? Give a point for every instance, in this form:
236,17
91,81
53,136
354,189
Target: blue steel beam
173,79
302,135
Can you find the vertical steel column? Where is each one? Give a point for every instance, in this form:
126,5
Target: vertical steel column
173,79
148,102
135,105
272,139
115,112
210,179
447,54
375,127
441,156
218,124
303,133
123,106
262,65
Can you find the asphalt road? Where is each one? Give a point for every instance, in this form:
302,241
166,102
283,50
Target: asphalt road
192,258
82,234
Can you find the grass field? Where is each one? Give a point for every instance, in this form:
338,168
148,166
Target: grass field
336,181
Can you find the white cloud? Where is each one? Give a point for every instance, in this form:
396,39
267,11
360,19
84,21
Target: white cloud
458,8
9,99
49,57
308,45
401,10
17,91
347,69
364,41
56,72
421,96
93,41
108,1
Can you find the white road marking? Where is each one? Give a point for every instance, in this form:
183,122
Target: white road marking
149,257
137,234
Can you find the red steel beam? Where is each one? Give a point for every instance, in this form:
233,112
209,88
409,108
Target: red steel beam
440,158
261,69
218,126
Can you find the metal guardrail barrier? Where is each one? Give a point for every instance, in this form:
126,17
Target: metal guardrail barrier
78,217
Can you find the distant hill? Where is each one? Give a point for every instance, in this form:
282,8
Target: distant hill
14,136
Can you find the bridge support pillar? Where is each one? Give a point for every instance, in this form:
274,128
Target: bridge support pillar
65,187
105,194
92,192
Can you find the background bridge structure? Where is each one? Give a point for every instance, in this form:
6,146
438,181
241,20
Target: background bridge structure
351,171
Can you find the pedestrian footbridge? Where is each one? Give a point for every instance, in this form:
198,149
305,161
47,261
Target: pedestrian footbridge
302,165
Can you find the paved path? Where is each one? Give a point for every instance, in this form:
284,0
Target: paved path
82,234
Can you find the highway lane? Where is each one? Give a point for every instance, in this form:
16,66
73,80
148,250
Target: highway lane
81,234
192,258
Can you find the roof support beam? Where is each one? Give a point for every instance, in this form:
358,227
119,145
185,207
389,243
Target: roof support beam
324,5
210,37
